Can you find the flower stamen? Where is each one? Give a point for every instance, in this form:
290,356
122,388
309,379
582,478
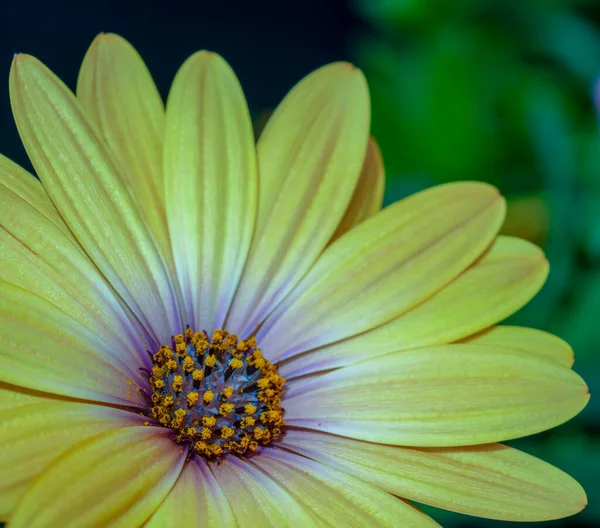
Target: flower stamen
220,395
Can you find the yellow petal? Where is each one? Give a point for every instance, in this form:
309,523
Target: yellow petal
448,395
491,481
34,434
196,501
89,193
368,195
12,396
42,348
18,185
502,281
385,266
117,478
310,157
256,498
119,95
211,185
336,498
527,340
39,254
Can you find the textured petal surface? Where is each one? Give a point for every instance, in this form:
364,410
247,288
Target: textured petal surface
211,185
336,498
119,95
40,255
196,501
115,479
385,266
499,283
310,156
449,395
257,499
492,481
527,340
12,396
35,433
17,183
83,183
43,348
368,194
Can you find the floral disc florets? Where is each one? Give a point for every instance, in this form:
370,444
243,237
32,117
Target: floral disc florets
220,395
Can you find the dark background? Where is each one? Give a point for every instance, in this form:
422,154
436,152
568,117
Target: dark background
494,90
270,44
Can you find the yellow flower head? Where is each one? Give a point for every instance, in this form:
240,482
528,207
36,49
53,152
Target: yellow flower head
185,312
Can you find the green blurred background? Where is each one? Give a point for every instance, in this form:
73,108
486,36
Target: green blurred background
493,90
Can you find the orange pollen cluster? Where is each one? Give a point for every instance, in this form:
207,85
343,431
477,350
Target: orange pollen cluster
220,395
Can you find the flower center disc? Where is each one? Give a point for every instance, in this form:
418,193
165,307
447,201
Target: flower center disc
220,395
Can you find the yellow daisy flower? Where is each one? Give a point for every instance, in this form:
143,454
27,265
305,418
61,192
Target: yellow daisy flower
198,331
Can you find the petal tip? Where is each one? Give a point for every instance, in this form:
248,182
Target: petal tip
205,55
107,37
21,68
341,74
478,189
21,58
204,60
578,503
492,192
347,66
583,400
583,503
105,42
23,63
